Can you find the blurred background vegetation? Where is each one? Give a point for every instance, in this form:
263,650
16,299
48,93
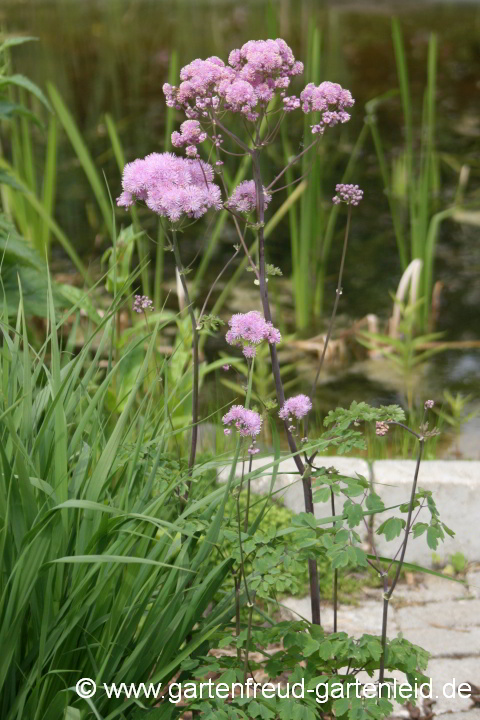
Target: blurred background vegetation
412,144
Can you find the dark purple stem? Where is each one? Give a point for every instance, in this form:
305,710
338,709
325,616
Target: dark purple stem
335,573
387,593
307,483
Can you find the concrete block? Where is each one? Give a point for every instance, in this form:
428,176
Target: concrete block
456,488
455,484
289,483
354,620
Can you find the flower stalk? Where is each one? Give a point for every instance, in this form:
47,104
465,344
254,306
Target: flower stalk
388,591
306,479
193,445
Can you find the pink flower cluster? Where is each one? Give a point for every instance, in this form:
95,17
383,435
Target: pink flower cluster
297,406
349,194
142,303
249,329
247,422
330,100
243,198
291,103
191,135
199,87
381,428
254,73
171,186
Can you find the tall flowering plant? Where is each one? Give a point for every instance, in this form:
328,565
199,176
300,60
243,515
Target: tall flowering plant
253,85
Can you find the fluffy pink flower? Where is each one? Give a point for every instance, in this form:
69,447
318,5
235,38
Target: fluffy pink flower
248,330
249,351
240,97
255,72
190,135
297,406
349,194
244,199
330,100
142,303
198,90
247,422
171,186
291,103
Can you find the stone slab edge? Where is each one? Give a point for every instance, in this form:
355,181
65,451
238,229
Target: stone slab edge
455,484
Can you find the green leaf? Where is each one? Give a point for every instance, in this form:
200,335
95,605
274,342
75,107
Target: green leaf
375,649
353,490
14,41
310,647
341,706
9,110
433,536
340,559
326,650
449,531
23,82
374,502
419,528
322,495
7,179
121,559
354,514
78,297
391,528
83,155
418,568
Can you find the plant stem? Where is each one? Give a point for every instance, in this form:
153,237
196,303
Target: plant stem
421,443
249,635
245,527
387,593
334,311
306,481
242,569
292,162
232,135
214,284
237,611
335,573
193,448
386,600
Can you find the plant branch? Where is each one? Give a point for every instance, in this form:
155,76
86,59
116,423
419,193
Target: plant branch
335,572
214,284
305,474
421,443
334,312
292,162
234,137
387,592
193,447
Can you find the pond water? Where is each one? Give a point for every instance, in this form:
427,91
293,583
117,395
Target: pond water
113,57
